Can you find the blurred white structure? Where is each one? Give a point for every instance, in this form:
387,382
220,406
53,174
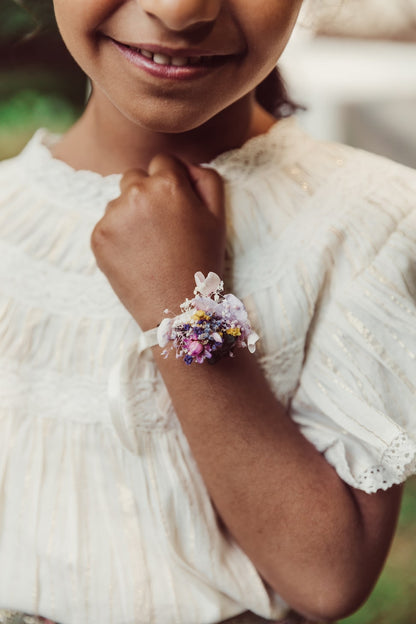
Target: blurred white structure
335,77
381,19
328,73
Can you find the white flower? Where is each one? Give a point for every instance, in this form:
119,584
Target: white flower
216,337
251,341
209,285
164,331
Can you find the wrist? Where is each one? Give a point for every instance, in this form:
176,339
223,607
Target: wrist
210,326
164,296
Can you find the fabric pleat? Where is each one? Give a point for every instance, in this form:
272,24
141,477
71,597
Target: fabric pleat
104,516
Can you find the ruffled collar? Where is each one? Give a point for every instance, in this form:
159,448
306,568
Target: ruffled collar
88,186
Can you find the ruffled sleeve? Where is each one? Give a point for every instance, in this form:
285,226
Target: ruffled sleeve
356,399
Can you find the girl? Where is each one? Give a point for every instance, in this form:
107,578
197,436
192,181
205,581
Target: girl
137,489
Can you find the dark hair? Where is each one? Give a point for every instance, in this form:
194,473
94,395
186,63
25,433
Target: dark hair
272,95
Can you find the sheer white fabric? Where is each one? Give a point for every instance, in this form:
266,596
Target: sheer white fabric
107,520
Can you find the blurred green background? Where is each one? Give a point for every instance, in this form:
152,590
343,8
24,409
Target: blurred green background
40,85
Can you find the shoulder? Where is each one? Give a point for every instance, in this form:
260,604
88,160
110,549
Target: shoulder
306,174
11,171
39,177
356,395
365,197
330,203
368,178
345,177
17,173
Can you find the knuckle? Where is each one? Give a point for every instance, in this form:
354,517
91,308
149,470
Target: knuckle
111,204
173,182
99,236
133,192
131,176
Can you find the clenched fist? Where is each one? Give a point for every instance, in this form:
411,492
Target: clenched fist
166,224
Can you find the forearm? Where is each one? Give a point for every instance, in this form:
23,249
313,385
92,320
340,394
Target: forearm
307,532
316,541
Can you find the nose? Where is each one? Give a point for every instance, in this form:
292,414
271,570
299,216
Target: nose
182,14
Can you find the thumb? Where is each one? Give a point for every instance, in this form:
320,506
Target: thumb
209,185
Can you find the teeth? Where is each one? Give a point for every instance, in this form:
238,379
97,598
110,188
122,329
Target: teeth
176,61
179,61
147,54
161,59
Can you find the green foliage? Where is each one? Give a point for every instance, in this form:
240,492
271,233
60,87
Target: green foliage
19,19
15,21
393,600
30,108
25,112
407,519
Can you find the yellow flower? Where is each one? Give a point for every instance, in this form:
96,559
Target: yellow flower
200,315
234,331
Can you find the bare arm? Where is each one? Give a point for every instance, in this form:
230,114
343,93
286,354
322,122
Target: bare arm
319,543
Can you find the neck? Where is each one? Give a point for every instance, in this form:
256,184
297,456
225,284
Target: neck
106,142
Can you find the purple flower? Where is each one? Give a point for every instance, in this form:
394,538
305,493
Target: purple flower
206,304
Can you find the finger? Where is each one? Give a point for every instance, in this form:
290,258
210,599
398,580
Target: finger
111,205
164,164
132,177
210,187
129,183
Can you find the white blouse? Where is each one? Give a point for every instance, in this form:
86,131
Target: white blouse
105,518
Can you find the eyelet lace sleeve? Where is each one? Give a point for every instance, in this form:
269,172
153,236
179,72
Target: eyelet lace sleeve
356,400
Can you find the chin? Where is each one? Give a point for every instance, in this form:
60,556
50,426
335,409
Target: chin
171,118
172,125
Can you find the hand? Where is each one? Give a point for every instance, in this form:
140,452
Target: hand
166,224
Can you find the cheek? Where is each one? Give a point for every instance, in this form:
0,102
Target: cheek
78,20
269,29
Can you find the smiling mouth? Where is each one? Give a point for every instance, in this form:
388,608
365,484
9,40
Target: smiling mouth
160,58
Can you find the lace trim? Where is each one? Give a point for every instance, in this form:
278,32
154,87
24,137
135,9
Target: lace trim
397,463
91,187
46,287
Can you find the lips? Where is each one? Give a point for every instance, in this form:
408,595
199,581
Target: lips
168,63
176,60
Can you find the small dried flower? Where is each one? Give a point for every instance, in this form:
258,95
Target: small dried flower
211,325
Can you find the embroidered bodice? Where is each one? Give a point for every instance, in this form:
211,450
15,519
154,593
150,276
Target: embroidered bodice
105,518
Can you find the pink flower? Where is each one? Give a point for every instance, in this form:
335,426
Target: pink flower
195,348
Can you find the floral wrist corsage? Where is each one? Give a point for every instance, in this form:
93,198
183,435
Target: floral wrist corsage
210,327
